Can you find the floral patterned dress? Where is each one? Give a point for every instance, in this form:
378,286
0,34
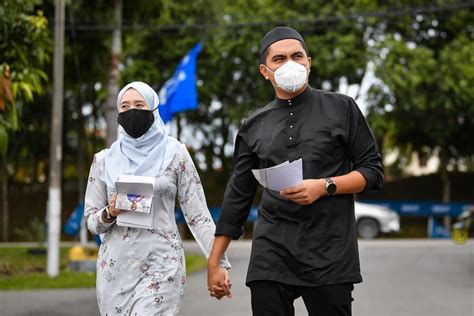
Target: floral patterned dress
142,271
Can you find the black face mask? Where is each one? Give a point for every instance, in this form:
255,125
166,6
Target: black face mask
136,122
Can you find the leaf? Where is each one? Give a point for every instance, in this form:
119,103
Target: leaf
3,140
14,117
27,90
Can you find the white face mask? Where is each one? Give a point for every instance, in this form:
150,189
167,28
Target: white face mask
291,76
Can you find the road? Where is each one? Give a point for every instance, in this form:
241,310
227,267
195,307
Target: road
409,278
401,277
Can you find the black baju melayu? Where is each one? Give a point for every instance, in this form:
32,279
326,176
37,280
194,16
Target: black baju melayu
304,245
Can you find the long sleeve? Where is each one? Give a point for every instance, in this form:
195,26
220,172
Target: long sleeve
363,150
193,203
240,191
96,198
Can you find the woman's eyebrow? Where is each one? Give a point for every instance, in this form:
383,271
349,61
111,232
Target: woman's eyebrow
133,101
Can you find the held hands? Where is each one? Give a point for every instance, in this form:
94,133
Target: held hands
218,282
307,192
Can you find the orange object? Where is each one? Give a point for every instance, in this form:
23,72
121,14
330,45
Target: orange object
5,89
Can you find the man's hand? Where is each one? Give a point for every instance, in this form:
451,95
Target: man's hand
218,282
307,192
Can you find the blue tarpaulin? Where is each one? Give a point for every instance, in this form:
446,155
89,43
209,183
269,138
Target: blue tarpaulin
73,224
215,213
424,208
403,208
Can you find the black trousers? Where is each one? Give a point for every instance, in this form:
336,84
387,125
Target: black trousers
271,298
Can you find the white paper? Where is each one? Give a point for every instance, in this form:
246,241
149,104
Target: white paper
135,219
282,176
135,198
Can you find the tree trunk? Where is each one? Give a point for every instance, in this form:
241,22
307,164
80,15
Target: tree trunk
225,136
178,126
446,191
112,86
94,144
5,211
81,148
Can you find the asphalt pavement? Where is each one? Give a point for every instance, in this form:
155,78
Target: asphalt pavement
401,277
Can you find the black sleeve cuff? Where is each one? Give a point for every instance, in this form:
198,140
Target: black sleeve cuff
228,229
374,178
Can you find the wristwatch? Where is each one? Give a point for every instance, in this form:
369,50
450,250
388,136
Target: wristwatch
330,186
108,217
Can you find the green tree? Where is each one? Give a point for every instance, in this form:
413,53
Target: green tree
342,38
24,50
423,102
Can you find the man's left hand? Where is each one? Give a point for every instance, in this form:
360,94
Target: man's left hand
307,192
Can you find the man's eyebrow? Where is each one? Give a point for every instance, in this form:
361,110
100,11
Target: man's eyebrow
278,56
297,52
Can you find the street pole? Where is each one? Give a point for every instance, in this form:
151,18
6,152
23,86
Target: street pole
113,84
80,180
55,150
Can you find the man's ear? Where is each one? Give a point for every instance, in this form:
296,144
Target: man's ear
309,64
263,71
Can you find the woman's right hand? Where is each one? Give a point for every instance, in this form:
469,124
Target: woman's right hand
112,210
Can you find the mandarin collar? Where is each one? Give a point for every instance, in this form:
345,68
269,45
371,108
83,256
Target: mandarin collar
300,98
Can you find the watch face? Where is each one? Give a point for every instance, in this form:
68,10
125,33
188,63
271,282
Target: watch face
331,188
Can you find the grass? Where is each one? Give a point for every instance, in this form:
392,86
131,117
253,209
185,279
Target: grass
30,281
20,270
195,263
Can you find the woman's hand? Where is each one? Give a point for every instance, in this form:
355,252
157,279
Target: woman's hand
218,282
112,210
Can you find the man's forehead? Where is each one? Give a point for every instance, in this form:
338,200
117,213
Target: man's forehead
285,46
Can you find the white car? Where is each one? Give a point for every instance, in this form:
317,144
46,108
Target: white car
374,219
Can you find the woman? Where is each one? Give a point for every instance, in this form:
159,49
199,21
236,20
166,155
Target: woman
142,271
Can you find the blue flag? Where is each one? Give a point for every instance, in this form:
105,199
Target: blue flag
179,93
73,224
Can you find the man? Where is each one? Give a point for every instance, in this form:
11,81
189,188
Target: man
305,241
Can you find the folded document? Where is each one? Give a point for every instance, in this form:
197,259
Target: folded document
135,198
282,176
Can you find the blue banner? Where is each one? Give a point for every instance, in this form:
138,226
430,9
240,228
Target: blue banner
73,224
179,93
425,208
215,213
403,208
